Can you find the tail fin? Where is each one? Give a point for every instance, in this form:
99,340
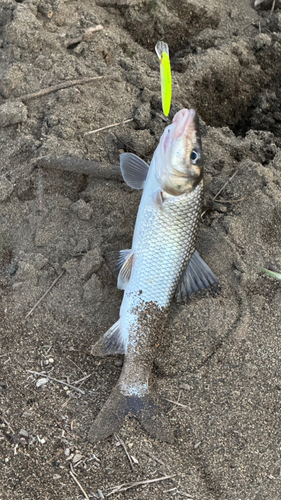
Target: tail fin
113,413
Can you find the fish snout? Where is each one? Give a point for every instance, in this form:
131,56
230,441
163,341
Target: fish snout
184,120
186,153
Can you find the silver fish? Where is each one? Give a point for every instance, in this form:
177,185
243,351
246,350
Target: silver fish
161,264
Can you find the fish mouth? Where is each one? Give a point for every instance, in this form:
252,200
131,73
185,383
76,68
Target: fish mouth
184,120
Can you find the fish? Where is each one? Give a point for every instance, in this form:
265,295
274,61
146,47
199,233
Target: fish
161,264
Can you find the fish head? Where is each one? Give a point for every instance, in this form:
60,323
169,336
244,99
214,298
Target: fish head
178,157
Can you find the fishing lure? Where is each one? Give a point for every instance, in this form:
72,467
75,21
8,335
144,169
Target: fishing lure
162,51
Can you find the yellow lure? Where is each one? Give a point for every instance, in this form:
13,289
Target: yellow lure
162,51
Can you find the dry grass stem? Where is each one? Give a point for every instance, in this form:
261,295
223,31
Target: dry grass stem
78,484
75,364
176,403
125,449
182,493
272,7
108,126
56,380
46,293
6,421
154,458
82,379
221,189
127,486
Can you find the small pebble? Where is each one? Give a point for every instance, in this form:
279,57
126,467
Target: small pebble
12,269
185,387
23,433
77,458
41,441
118,362
100,494
41,381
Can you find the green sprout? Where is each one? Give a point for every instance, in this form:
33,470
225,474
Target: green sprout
272,273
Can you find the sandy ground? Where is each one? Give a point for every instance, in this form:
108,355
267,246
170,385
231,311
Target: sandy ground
220,355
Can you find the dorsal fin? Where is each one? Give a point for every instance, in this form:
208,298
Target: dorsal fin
125,263
134,170
197,276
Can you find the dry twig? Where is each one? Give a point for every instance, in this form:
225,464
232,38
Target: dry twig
60,86
46,293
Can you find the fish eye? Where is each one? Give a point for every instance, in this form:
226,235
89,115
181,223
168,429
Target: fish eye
195,156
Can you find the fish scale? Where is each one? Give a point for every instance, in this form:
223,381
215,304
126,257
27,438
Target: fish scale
173,228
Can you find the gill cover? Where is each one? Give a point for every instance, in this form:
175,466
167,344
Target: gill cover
178,157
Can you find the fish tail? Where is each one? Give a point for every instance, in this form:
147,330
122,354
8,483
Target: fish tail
112,416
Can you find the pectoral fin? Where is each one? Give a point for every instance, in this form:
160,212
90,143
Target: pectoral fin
197,276
111,343
125,264
134,170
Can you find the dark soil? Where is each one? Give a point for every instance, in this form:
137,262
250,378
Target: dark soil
220,356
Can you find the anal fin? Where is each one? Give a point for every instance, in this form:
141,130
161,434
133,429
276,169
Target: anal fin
197,276
111,343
